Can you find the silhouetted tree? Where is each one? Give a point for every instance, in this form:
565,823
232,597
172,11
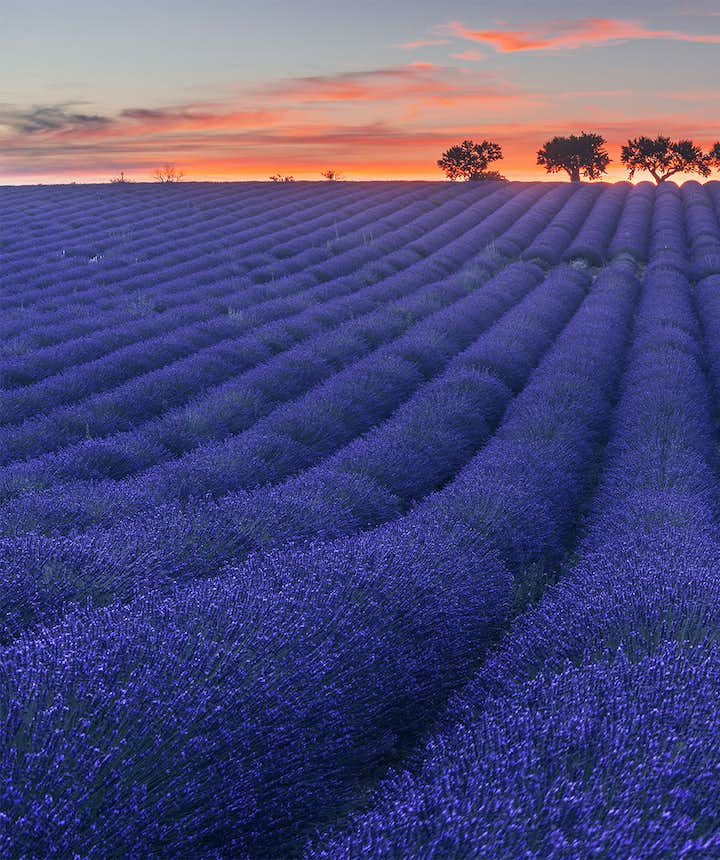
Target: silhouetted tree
577,155
120,180
469,160
331,175
168,173
663,158
278,177
714,155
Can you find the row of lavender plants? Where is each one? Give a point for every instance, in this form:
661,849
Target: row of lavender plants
221,410
399,227
331,657
192,263
593,730
223,619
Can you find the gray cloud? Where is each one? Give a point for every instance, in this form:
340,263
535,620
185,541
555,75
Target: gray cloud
48,118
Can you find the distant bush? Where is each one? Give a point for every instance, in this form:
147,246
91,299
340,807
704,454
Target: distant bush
332,175
277,177
168,173
121,180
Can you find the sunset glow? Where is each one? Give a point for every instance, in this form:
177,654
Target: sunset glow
86,94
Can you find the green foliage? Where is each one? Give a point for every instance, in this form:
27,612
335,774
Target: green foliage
469,160
577,155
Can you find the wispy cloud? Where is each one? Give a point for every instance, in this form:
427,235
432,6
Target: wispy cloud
470,55
421,83
48,118
420,43
569,34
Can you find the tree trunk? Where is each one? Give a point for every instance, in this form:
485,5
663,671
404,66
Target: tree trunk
574,174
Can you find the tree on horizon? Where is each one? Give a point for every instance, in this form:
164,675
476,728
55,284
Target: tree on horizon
662,157
714,155
577,155
469,161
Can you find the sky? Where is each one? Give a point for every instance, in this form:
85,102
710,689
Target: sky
376,89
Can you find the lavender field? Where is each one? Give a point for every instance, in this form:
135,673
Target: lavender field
360,520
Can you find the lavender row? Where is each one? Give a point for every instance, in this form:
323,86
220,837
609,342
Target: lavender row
532,222
174,283
113,365
620,659
144,396
177,261
331,657
147,226
548,247
431,436
703,231
668,240
179,542
632,236
592,241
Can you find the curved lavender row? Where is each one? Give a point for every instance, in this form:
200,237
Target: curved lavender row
432,435
637,611
175,279
113,367
39,361
668,245
143,396
593,238
573,764
157,390
633,231
346,218
76,259
520,234
237,205
318,208
347,658
557,235
221,674
703,230
176,543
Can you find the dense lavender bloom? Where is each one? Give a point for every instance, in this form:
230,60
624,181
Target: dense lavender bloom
592,240
329,526
591,730
703,230
331,414
239,712
602,759
633,230
548,247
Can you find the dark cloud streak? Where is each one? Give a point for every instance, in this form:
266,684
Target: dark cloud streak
48,118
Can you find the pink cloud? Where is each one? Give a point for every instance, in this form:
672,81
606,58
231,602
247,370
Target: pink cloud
471,55
423,83
421,43
569,34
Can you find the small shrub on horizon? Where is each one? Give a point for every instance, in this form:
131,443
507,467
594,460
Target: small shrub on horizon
168,173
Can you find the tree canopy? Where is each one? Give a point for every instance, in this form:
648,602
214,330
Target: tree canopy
663,158
714,155
577,155
469,160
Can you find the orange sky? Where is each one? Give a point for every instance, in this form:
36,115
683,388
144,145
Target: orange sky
383,113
